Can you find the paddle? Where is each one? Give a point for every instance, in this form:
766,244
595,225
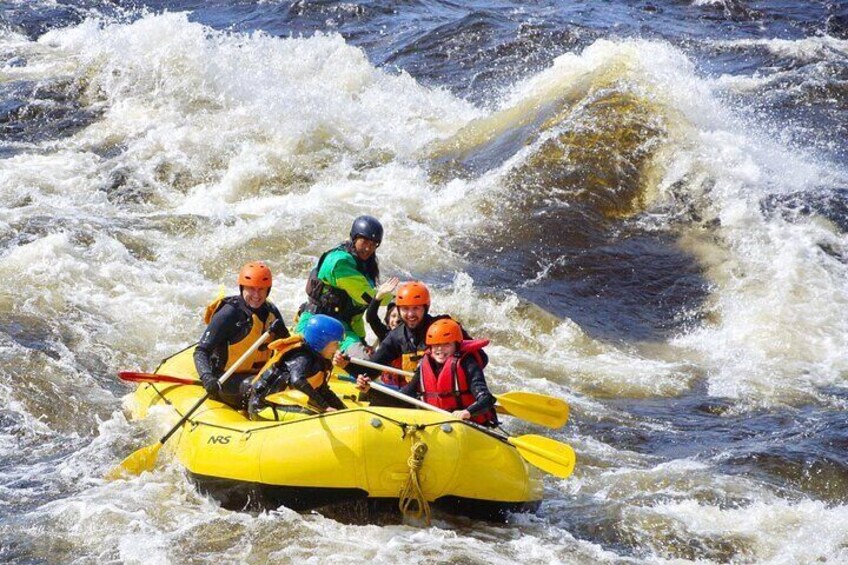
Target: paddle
536,408
547,454
134,377
145,458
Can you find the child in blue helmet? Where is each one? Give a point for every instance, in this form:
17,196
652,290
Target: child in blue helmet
302,362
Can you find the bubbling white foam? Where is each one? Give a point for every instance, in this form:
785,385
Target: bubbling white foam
776,325
211,149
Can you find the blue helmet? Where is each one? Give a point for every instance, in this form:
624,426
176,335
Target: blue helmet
321,330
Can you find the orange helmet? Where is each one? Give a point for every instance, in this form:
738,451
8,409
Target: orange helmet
443,331
413,294
255,274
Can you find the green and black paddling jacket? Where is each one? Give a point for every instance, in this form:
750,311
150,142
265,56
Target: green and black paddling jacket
342,286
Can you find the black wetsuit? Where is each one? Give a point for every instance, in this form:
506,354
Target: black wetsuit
230,324
294,370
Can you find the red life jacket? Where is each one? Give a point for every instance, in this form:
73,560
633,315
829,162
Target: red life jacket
449,389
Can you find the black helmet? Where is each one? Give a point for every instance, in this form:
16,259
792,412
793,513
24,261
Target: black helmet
368,227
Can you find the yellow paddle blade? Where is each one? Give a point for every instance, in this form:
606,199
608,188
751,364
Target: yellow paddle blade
547,454
138,461
541,409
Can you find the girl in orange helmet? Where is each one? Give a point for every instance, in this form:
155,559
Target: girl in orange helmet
234,323
450,375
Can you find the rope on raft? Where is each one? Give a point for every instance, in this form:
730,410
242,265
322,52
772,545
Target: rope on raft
412,492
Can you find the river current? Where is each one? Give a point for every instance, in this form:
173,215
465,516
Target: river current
643,204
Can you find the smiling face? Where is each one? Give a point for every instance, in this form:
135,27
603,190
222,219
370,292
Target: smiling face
411,315
364,248
253,296
393,320
441,352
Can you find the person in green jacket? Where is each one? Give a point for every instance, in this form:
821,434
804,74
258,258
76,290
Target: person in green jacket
343,283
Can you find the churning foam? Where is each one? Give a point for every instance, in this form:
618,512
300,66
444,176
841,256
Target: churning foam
211,149
209,143
776,324
206,144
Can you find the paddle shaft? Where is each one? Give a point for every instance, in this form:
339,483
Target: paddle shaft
386,368
395,370
262,339
424,405
535,408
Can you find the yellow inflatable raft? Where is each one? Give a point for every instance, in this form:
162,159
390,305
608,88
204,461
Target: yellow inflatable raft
306,461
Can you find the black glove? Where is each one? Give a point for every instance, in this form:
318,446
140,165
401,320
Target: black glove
212,386
279,329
